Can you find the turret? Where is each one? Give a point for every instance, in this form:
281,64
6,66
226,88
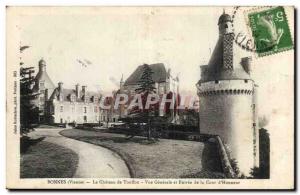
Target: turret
227,97
225,24
223,64
42,65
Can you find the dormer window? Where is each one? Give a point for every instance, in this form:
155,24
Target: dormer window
86,99
95,99
42,84
73,98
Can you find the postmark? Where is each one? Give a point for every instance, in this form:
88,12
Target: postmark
270,31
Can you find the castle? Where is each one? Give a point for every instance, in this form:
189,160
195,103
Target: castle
61,105
165,83
44,86
227,99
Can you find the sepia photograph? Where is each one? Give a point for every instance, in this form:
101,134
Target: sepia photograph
150,97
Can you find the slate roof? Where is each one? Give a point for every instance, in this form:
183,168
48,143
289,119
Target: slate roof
68,92
42,75
214,70
159,74
224,18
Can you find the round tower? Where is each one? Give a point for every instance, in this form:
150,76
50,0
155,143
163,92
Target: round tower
226,100
42,65
225,24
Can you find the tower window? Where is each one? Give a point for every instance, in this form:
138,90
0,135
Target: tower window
225,26
216,81
42,84
246,81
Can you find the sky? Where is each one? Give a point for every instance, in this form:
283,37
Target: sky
117,40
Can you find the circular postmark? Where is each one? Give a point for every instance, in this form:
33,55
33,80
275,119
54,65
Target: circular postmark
269,31
242,38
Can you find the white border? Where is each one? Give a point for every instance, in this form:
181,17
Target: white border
4,3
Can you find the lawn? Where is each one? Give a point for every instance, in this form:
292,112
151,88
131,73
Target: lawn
163,159
47,160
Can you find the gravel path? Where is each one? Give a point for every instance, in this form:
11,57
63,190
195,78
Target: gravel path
94,161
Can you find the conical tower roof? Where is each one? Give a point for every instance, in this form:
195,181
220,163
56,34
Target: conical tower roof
223,63
42,75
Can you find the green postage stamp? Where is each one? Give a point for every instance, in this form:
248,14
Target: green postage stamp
270,31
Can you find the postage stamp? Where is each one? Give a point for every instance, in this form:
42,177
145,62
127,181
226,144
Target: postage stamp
270,31
113,98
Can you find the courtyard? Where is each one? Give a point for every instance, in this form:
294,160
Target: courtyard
99,154
165,158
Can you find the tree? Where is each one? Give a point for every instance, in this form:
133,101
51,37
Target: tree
29,113
263,171
264,153
189,117
145,88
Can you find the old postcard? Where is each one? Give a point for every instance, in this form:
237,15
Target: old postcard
150,97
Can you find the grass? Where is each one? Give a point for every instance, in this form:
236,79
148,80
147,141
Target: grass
162,159
45,126
47,160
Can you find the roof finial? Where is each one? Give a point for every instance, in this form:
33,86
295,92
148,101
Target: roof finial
223,10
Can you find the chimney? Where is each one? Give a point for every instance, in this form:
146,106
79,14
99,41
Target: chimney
77,90
46,94
60,87
121,83
84,90
42,65
169,72
246,64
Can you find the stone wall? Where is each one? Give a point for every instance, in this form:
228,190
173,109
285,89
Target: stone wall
75,111
226,110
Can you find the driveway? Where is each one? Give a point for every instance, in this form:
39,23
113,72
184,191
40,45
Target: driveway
94,161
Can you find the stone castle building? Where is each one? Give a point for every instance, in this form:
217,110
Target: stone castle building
165,83
227,99
73,105
60,105
44,86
